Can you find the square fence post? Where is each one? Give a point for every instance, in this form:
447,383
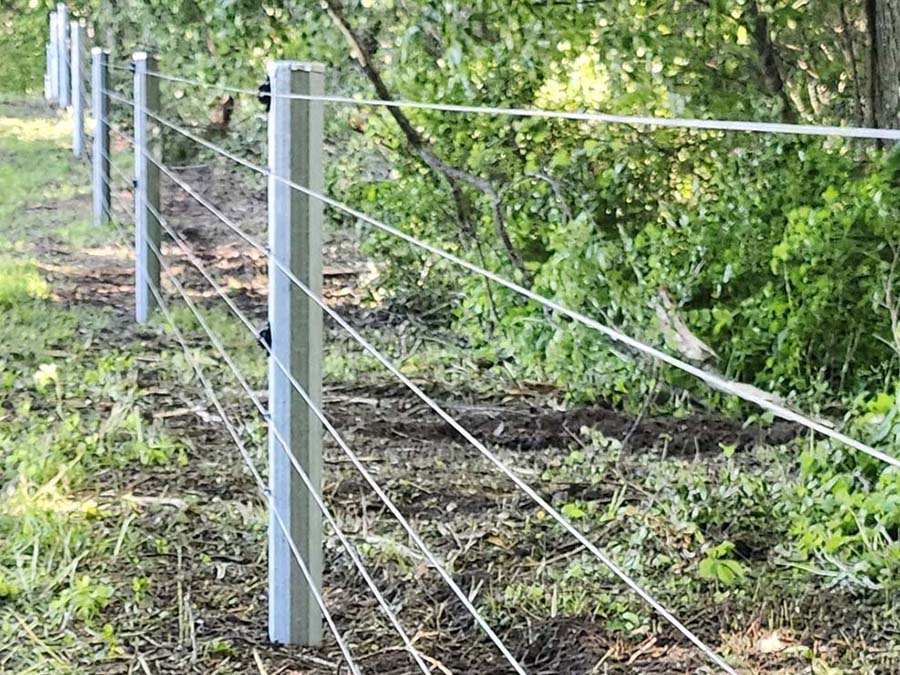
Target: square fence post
100,149
295,241
146,185
62,53
77,79
53,59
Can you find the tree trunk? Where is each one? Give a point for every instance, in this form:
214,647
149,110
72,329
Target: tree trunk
884,33
769,67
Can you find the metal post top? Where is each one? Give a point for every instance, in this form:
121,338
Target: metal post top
98,51
142,56
297,66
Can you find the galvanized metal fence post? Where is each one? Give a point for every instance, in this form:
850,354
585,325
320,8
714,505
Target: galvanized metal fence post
100,149
146,184
295,241
62,54
77,78
53,58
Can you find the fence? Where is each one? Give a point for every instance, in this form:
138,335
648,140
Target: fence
294,415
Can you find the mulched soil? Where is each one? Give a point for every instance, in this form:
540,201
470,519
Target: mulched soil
209,584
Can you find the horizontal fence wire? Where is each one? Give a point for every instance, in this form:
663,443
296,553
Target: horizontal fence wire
740,390
248,461
530,492
581,116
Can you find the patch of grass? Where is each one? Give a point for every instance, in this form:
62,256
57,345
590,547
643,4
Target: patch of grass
37,167
68,411
695,532
81,234
20,282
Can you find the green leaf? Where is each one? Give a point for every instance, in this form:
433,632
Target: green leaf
573,511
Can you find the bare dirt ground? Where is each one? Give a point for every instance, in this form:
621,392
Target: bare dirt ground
205,610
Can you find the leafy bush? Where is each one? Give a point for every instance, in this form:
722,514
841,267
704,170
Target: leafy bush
768,245
718,567
23,34
846,506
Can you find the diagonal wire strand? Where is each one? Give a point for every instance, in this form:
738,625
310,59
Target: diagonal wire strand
115,170
118,97
658,607
738,389
118,132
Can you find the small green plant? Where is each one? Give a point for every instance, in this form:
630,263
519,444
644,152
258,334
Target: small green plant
7,588
20,282
628,622
220,648
573,511
139,587
716,566
111,640
84,599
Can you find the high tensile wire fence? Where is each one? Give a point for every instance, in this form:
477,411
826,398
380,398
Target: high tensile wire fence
295,99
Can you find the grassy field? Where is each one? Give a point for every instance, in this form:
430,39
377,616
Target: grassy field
132,539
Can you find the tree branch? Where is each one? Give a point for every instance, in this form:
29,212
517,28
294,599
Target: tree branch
422,148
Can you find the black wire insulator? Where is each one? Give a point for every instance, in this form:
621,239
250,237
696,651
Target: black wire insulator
264,337
263,94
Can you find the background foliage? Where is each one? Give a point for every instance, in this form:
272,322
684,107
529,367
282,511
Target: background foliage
777,252
23,34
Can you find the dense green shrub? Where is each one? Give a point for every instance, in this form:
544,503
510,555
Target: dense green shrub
23,35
